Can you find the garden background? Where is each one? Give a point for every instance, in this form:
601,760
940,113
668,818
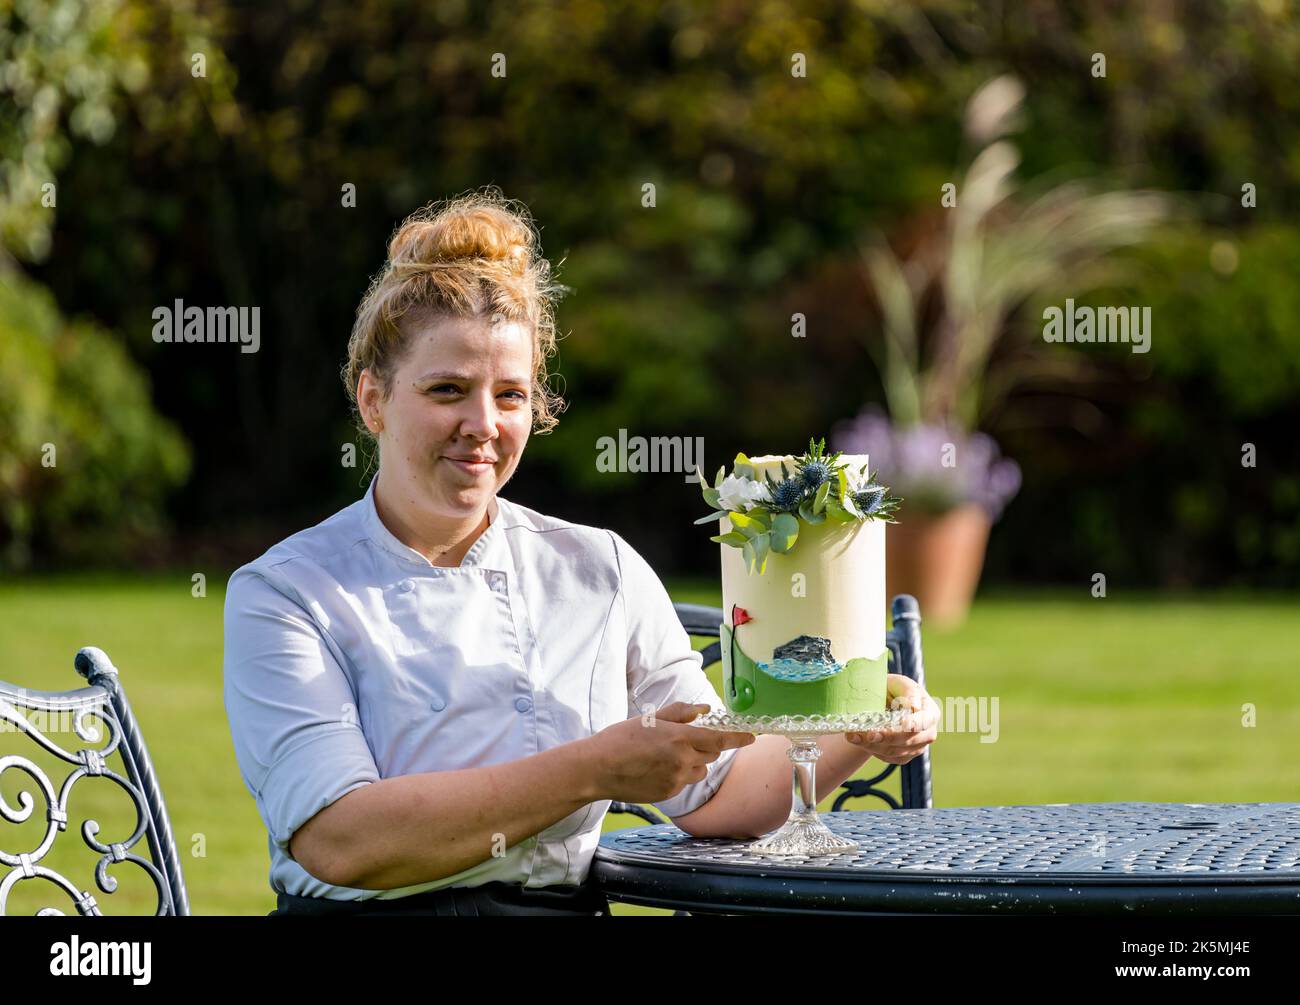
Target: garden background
237,154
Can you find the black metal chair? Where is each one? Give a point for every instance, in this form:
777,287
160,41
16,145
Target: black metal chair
105,700
904,643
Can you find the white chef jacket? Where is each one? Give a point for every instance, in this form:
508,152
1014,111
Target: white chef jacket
349,657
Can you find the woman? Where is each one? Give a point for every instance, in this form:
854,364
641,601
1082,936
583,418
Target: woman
435,693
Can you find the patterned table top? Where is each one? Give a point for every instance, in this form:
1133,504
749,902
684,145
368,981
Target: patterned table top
1147,839
1033,850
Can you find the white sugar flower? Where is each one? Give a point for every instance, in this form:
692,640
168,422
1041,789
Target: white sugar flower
855,479
741,494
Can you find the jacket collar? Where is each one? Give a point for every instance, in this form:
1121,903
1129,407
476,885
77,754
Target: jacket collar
378,532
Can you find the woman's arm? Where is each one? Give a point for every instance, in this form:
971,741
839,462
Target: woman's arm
306,760
417,828
414,829
755,796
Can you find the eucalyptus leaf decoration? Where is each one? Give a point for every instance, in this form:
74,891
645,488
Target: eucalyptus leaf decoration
766,515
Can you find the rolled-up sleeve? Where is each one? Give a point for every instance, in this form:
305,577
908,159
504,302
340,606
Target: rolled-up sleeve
662,667
292,710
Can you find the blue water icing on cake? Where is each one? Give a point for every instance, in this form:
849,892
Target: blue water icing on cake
799,671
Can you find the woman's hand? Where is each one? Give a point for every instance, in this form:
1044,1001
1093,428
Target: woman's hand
919,728
649,758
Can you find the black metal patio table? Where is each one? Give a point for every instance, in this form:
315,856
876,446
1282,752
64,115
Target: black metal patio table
1081,858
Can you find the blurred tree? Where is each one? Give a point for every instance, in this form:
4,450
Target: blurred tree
67,65
774,135
85,462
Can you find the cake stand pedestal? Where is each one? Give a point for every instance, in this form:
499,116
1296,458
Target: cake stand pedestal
804,833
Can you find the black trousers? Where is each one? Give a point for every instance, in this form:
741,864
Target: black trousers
459,902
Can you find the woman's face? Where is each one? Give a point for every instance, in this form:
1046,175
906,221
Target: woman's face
454,427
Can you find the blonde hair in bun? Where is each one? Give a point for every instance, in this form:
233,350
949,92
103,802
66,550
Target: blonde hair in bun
474,256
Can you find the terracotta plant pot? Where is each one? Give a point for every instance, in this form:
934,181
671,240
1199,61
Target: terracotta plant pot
937,559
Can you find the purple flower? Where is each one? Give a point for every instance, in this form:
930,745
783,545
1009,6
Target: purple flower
932,467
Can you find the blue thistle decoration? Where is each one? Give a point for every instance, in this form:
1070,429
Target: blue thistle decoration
870,499
787,494
815,468
814,473
874,500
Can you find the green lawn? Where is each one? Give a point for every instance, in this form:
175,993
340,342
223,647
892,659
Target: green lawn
1123,698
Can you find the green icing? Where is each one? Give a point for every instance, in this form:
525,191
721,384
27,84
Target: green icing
859,687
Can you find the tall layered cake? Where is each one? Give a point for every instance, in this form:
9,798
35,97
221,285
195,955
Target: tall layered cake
803,584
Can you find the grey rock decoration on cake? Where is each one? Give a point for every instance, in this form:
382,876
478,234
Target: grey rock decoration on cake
807,648
805,658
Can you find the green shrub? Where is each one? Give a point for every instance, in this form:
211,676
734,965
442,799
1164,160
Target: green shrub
85,461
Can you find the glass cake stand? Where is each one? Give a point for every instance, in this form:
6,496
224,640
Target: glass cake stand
803,833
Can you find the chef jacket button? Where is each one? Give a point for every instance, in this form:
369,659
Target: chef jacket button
523,704
406,586
497,581
438,704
